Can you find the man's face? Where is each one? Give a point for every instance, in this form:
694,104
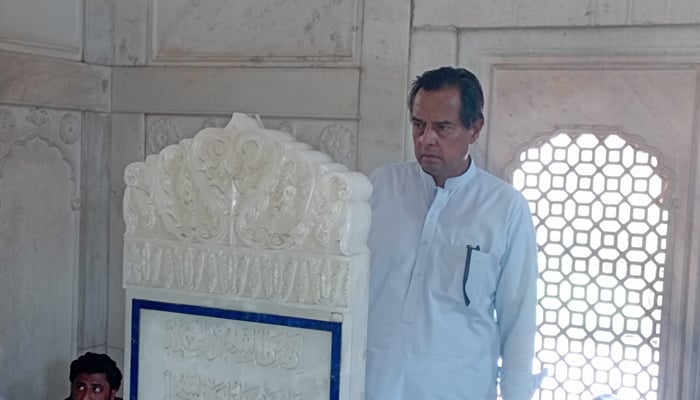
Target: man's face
91,387
440,140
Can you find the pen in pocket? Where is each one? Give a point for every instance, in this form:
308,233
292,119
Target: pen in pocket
467,263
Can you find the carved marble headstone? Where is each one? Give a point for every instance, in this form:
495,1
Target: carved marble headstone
245,269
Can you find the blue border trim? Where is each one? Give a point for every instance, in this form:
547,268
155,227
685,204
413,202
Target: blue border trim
335,328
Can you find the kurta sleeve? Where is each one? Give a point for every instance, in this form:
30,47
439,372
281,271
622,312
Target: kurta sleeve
516,301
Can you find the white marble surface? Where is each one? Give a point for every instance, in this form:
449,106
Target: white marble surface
257,222
94,230
40,203
196,356
130,32
53,28
98,37
35,80
127,146
554,13
246,30
656,101
383,83
478,47
432,49
282,92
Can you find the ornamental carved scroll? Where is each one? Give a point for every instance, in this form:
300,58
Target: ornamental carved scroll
245,186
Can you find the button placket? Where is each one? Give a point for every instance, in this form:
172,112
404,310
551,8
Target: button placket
416,284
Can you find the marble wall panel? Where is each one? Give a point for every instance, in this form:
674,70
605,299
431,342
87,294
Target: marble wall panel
432,49
611,12
655,100
53,28
337,138
130,32
99,24
552,13
656,103
36,80
254,30
94,231
549,12
383,86
117,354
127,146
483,50
691,367
40,170
304,92
649,11
477,46
682,11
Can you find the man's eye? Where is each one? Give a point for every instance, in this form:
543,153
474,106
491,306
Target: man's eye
97,389
444,130
80,387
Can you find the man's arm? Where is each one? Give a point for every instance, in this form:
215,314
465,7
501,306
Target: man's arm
516,302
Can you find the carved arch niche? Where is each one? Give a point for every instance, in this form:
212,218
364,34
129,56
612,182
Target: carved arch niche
654,99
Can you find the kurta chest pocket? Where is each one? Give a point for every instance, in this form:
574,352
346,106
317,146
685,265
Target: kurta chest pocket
482,277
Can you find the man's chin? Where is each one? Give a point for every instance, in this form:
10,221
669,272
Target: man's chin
429,163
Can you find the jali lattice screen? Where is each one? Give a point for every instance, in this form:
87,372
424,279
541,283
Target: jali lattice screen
599,205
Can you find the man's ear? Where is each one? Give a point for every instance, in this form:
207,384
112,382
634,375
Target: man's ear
476,130
113,394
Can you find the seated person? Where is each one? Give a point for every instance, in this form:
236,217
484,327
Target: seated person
94,377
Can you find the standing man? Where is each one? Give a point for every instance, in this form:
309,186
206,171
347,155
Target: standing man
454,261
94,377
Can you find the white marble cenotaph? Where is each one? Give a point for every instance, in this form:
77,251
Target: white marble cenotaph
245,269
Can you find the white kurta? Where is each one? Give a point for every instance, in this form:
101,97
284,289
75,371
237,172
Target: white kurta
424,342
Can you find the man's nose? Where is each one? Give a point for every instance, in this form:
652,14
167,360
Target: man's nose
429,135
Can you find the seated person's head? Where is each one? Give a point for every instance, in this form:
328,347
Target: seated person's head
94,376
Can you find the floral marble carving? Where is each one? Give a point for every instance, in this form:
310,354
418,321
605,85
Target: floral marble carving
162,133
231,210
37,116
69,128
289,127
20,126
211,123
339,141
7,125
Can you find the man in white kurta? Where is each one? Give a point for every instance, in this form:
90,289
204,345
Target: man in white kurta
453,276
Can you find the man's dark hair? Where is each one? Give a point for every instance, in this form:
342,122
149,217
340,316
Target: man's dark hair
470,93
93,363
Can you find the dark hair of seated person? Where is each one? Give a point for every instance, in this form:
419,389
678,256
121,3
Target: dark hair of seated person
94,363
